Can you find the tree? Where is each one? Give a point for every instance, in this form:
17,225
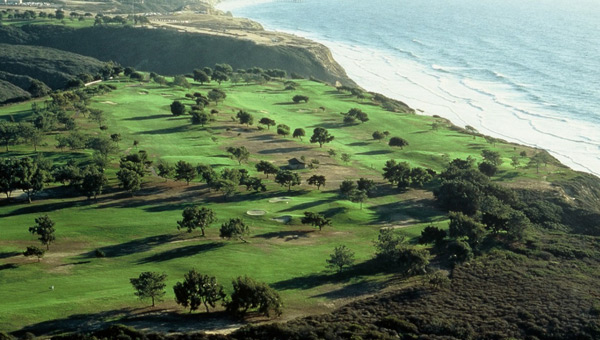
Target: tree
378,136
177,108
358,196
397,173
199,118
44,228
8,178
129,180
217,95
35,136
349,120
345,157
347,187
164,169
245,118
93,182
34,251
226,186
198,289
357,114
9,133
255,184
316,220
366,185
419,176
185,171
515,161
224,68
287,178
219,77
149,285
299,133
94,115
397,141
341,257
462,225
240,153
181,80
196,218
234,228
116,138
432,234
387,243
488,168
31,176
266,168
249,294
283,130
267,121
299,98
318,180
201,77
321,136
102,144
492,157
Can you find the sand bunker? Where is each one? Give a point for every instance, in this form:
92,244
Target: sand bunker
109,102
282,219
256,212
280,199
304,110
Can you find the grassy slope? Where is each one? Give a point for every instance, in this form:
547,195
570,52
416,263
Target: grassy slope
139,234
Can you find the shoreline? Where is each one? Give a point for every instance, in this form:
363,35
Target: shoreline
512,124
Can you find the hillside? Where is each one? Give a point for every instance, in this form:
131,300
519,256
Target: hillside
167,51
51,66
102,243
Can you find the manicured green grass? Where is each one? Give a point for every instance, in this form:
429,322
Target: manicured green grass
139,234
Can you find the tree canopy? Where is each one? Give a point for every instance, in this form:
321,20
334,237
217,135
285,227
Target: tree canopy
321,136
149,285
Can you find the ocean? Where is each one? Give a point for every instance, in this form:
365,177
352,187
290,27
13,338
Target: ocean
524,71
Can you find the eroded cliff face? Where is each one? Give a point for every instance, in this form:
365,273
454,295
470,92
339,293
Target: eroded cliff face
171,51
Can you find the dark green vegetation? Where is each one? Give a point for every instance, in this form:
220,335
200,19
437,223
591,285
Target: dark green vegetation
517,257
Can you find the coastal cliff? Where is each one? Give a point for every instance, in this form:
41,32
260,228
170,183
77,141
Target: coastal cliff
169,51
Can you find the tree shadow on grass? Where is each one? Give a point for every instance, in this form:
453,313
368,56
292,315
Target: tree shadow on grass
186,251
174,129
330,213
353,290
358,144
307,205
375,152
148,117
7,254
367,268
287,235
38,207
283,150
76,323
8,266
421,210
139,245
